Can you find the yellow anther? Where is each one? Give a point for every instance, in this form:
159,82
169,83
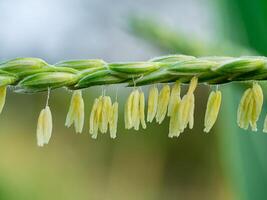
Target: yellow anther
163,102
97,117
44,127
92,116
187,106
76,112
183,112
247,110
212,110
192,85
128,112
242,108
258,102
135,109
142,110
250,107
103,126
2,97
191,111
113,121
174,129
152,103
175,95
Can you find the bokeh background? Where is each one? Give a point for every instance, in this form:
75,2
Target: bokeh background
227,163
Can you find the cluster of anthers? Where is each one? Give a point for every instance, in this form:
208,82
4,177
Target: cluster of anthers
166,102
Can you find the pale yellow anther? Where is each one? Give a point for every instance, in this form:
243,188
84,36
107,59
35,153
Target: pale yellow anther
174,129
250,107
175,94
135,110
242,108
247,109
76,112
183,112
142,110
192,85
187,106
258,102
106,105
191,111
212,110
97,117
92,116
248,115
113,121
128,112
2,97
163,102
152,103
44,127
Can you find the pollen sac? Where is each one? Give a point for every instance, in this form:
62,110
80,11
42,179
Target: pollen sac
175,96
76,112
134,110
174,129
212,110
106,105
163,102
128,112
184,111
103,115
187,107
97,117
250,107
257,105
92,128
142,110
2,97
113,120
242,108
44,127
152,103
192,85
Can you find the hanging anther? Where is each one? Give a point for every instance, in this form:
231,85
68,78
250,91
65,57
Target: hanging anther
163,102
152,103
44,125
187,106
212,110
76,112
250,107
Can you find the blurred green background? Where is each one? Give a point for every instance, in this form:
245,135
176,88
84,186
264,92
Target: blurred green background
227,163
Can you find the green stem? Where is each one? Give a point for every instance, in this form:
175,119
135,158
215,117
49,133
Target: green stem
34,75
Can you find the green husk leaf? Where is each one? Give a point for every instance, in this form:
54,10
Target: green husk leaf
82,64
43,81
